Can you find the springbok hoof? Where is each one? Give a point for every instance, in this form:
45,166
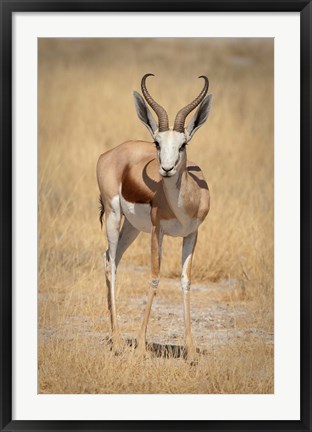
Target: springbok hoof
192,356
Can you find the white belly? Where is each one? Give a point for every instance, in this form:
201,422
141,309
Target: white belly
174,228
139,215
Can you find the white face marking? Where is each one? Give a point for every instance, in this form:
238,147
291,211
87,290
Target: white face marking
171,151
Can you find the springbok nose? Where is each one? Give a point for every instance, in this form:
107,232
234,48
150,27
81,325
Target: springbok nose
168,169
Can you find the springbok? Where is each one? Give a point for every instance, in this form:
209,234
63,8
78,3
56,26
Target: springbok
158,191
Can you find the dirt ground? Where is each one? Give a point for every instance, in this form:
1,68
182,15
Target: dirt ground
223,322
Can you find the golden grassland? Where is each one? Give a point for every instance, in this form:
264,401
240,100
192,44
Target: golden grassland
86,108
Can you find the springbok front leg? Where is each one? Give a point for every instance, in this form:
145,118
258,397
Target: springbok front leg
156,244
189,244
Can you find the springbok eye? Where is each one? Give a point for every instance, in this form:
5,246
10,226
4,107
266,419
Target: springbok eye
182,147
157,145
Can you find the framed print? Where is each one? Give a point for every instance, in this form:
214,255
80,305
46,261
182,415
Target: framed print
142,135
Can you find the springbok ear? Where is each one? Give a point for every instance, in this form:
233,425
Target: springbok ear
144,113
199,117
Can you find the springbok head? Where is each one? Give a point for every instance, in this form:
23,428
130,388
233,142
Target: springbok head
170,142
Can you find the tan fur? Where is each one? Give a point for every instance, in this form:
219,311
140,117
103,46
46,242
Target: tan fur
178,204
133,167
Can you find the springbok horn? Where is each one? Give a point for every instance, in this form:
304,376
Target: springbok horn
163,122
184,112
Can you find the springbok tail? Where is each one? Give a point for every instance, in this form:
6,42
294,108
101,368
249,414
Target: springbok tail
102,211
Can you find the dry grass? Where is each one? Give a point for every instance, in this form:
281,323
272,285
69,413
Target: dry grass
85,108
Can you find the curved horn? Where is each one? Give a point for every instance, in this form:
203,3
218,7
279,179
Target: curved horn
163,122
184,112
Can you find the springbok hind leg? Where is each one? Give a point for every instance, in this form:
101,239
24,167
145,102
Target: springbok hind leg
112,258
126,237
189,244
113,219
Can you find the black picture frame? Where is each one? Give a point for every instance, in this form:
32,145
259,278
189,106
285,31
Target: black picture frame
7,8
